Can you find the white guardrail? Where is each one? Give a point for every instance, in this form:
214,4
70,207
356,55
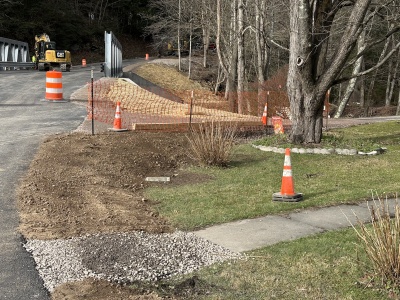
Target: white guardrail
14,54
113,56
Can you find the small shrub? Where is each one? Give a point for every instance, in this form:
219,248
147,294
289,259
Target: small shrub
212,144
381,241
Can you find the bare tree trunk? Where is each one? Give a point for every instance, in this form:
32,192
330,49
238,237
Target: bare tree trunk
352,83
179,35
230,66
362,87
205,31
389,82
240,64
392,82
298,95
220,79
309,78
398,102
398,98
268,50
231,78
261,53
373,79
190,52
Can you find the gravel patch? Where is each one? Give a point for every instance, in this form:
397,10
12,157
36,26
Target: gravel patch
123,257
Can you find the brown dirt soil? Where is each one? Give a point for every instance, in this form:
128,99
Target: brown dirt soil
80,184
100,290
190,288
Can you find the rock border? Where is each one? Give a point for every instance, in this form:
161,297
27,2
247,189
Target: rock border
323,151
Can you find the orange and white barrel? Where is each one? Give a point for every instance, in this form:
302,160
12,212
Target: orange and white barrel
83,63
54,87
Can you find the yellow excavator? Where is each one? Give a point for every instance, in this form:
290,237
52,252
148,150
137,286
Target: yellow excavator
47,57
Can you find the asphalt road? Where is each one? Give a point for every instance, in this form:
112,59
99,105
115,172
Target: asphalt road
25,120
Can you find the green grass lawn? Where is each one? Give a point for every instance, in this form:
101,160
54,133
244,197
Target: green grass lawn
245,188
325,266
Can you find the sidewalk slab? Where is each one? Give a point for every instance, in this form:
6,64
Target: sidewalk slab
334,217
389,204
256,233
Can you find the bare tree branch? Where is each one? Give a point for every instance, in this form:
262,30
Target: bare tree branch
375,67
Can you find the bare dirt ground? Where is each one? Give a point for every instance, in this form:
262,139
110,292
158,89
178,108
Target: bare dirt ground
81,184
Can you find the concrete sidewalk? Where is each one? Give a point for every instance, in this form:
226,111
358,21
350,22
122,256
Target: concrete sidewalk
256,233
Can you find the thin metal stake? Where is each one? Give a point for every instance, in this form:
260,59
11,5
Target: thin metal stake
190,111
91,75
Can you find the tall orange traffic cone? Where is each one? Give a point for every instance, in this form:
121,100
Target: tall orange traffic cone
264,116
287,189
117,119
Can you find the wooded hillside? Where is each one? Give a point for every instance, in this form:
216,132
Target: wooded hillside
73,24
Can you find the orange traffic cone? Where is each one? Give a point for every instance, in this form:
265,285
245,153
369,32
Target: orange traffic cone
287,189
264,116
117,119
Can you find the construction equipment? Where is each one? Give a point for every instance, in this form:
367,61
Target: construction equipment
172,48
48,57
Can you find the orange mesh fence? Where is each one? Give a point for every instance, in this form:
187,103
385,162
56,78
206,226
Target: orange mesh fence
144,109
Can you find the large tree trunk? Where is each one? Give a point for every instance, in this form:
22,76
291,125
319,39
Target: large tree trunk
310,76
300,82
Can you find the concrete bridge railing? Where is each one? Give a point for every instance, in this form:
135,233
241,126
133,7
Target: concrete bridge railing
14,54
113,56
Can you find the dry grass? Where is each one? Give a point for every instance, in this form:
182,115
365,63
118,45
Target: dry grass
138,100
381,242
168,77
212,143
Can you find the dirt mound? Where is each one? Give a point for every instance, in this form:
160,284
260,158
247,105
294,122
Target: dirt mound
190,288
101,290
80,184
